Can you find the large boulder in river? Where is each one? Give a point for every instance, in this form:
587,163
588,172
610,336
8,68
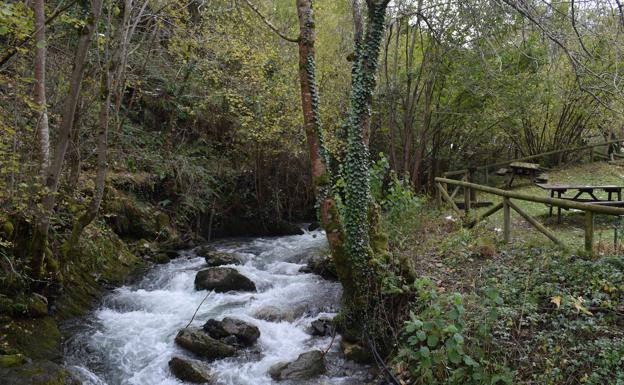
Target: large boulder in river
197,341
223,279
306,366
245,334
190,370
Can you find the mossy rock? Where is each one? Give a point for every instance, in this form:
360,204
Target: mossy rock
39,372
162,220
132,218
7,229
161,258
36,338
37,306
356,352
10,360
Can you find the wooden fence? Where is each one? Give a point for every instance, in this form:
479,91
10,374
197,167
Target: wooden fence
467,172
507,204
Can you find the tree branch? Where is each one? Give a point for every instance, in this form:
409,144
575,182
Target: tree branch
269,24
13,50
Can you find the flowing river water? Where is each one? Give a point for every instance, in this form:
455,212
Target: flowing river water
129,339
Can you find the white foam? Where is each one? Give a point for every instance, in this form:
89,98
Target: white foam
132,339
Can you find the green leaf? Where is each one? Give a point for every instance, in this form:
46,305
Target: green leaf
454,356
424,352
432,340
421,335
470,362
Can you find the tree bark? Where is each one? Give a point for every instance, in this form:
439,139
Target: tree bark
53,173
43,130
321,179
102,167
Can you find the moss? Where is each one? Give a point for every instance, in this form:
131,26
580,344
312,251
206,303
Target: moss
7,229
36,338
323,180
161,258
39,372
9,360
162,220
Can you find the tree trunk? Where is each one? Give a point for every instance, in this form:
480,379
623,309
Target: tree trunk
328,212
360,221
102,168
40,236
43,130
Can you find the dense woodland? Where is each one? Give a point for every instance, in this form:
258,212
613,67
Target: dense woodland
138,127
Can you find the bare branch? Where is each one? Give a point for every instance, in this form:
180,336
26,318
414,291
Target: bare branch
269,24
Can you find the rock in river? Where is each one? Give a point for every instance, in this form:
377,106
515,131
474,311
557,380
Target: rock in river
223,279
197,341
190,370
245,334
321,265
321,327
306,366
216,258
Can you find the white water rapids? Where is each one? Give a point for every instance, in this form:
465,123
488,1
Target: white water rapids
129,340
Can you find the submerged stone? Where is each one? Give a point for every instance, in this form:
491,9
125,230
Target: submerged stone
308,365
218,258
190,370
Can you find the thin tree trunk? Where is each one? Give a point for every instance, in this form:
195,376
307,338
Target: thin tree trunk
43,130
321,179
102,168
40,236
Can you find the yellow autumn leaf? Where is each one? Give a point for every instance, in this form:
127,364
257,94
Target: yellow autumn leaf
556,300
578,304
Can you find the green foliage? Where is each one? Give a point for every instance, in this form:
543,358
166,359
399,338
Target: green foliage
15,20
436,348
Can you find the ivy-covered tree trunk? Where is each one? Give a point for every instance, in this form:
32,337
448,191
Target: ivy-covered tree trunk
362,240
350,236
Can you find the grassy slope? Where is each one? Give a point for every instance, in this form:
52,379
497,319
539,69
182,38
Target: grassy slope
561,320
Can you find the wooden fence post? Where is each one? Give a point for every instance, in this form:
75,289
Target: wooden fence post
448,199
506,220
589,233
467,194
473,192
591,155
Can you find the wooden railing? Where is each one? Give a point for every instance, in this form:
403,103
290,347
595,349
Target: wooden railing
507,204
487,167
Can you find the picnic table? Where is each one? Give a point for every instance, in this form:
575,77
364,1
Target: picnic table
561,189
521,169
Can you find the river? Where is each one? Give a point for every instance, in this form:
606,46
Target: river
129,338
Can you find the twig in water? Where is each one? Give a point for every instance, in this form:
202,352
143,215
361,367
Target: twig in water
196,310
323,353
